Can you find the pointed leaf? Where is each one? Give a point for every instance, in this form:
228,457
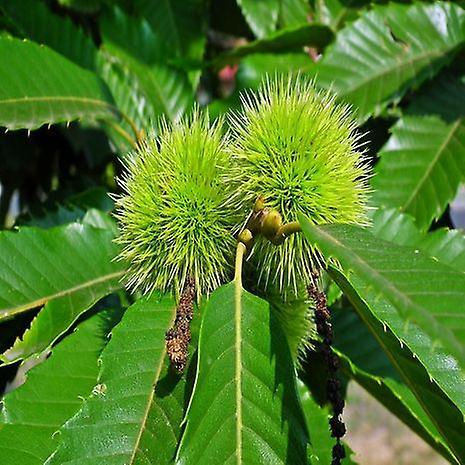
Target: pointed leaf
364,361
382,271
421,167
50,89
76,270
423,162
245,407
36,22
423,291
261,16
52,393
122,422
402,46
432,375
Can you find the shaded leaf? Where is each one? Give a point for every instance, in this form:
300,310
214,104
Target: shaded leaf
136,48
284,40
76,270
423,162
85,6
442,97
53,392
35,21
402,46
244,406
50,89
421,167
62,214
131,100
180,25
261,16
364,361
122,423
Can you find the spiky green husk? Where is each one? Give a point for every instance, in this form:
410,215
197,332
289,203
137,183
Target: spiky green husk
178,209
296,318
298,149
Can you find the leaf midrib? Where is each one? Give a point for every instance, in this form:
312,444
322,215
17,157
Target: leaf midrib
433,163
238,365
394,68
148,406
389,285
54,98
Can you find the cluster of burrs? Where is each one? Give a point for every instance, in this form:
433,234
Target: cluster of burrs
188,188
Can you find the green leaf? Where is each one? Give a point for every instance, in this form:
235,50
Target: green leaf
421,167
261,16
389,280
49,89
398,274
391,225
402,46
335,13
284,40
66,268
52,393
123,422
431,373
135,47
442,97
445,245
36,22
448,246
180,25
131,100
363,360
293,12
244,407
423,162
